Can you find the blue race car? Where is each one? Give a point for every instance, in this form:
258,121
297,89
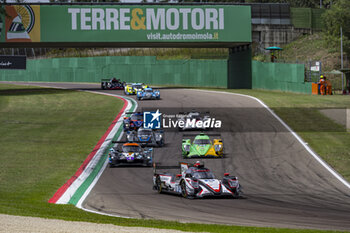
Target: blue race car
146,137
148,94
133,122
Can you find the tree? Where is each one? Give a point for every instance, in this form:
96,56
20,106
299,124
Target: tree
334,18
2,11
293,3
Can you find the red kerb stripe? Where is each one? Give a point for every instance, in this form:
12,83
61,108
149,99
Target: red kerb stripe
64,187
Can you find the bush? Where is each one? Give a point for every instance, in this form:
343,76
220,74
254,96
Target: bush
335,18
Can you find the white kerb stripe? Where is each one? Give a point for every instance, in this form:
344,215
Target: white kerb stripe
64,199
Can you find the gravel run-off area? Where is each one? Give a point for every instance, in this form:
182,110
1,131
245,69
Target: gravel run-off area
15,224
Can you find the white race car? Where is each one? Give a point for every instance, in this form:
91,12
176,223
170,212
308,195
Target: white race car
196,181
192,116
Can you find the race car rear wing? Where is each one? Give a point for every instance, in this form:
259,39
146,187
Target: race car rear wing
207,112
133,112
131,141
195,134
127,113
153,130
182,167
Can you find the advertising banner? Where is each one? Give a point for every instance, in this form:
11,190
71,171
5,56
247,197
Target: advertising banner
13,62
127,23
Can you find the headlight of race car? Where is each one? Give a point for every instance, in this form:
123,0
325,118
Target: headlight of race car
139,156
187,148
218,147
121,156
233,183
127,124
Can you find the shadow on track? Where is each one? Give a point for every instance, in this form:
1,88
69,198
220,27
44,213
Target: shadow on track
33,91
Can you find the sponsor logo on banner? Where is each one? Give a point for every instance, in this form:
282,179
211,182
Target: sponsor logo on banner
147,19
21,23
162,23
13,62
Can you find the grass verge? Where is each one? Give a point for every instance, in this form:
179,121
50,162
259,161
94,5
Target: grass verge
46,135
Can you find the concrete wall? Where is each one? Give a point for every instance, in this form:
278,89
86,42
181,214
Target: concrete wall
303,21
234,73
265,35
206,73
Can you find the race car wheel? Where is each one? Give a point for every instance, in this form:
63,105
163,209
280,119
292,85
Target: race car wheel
184,190
159,184
161,142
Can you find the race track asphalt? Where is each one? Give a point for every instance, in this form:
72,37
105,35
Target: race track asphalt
284,186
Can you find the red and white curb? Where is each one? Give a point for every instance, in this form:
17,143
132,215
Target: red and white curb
66,192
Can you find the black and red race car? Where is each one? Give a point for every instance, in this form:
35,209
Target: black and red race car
130,154
112,84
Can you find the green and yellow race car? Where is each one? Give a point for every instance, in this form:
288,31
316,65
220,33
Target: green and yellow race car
133,88
202,147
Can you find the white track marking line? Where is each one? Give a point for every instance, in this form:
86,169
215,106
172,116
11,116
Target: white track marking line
302,142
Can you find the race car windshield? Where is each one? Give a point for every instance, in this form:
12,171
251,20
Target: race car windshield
144,132
136,117
201,141
137,86
203,175
193,114
131,149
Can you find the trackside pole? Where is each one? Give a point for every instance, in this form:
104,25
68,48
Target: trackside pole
348,119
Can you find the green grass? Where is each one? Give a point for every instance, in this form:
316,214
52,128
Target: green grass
45,136
301,112
312,47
